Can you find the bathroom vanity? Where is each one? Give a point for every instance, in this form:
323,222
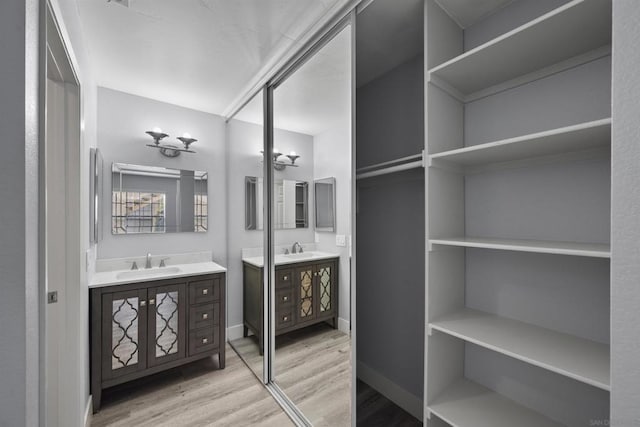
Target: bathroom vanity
147,321
306,292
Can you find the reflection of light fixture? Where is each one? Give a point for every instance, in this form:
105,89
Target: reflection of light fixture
170,150
281,165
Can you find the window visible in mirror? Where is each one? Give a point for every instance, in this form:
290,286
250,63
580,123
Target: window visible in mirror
136,212
201,214
154,199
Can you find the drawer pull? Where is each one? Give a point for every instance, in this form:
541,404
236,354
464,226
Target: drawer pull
285,318
205,316
152,301
143,303
205,291
285,278
285,298
205,340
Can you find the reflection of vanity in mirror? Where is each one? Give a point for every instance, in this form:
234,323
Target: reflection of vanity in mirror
152,199
306,292
291,207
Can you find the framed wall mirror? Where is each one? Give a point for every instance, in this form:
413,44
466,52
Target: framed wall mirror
292,204
152,199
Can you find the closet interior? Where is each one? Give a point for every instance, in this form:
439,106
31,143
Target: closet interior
390,202
518,113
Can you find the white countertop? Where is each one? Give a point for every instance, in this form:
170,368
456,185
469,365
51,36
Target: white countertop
282,259
110,278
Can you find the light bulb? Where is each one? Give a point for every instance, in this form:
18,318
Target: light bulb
293,153
186,135
157,130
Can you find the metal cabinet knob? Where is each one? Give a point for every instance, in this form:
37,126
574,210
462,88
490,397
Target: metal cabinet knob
152,302
285,278
285,318
285,298
143,303
205,340
205,291
205,316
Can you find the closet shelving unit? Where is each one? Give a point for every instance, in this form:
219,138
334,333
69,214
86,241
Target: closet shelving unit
490,360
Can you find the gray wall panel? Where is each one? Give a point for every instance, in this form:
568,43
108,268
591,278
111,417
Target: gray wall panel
564,201
625,265
564,293
577,95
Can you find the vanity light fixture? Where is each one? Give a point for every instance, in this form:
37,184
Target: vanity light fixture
170,150
280,165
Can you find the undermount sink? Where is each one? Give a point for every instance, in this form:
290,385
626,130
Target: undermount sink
152,272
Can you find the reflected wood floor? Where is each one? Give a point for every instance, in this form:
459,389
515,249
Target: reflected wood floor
197,394
312,366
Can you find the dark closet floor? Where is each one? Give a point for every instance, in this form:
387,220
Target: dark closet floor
375,410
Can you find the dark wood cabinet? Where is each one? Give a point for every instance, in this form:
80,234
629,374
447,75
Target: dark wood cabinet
306,293
144,328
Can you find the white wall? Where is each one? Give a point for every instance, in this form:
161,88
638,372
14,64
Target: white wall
19,399
244,142
332,158
122,122
625,174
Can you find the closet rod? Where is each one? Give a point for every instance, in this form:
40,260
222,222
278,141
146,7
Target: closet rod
380,169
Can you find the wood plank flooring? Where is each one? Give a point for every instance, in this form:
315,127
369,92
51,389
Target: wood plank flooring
197,394
313,368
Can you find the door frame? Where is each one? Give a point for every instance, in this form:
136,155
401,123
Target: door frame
53,46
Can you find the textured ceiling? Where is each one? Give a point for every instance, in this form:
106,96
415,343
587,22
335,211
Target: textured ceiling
316,97
195,53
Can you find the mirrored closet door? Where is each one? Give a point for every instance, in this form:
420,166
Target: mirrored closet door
312,167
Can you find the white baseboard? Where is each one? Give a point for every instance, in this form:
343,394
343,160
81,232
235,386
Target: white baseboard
392,391
234,332
344,325
87,412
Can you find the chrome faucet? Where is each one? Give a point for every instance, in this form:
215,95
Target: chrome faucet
148,264
296,245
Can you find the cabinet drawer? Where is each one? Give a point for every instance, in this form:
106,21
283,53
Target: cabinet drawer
284,297
203,316
204,291
202,340
284,278
284,318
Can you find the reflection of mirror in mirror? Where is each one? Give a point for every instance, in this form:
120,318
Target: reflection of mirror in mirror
325,203
151,199
291,207
96,193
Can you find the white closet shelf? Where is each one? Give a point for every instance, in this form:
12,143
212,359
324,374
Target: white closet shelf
581,137
595,250
578,358
573,29
468,404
